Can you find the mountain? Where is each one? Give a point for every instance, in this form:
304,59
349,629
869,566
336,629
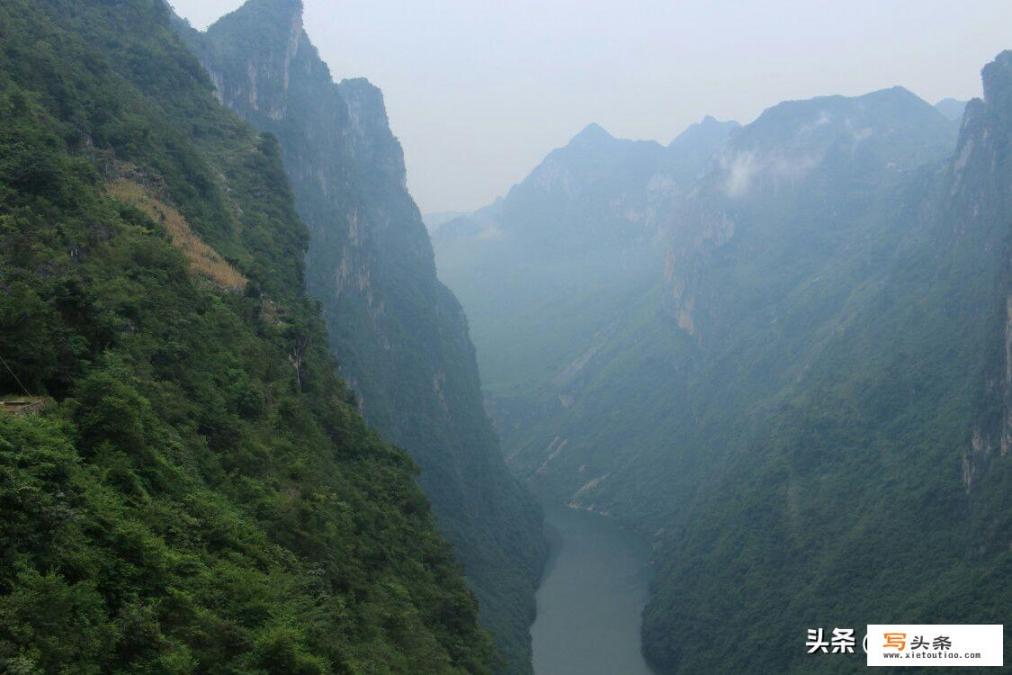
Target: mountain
544,272
951,108
400,336
888,427
803,404
192,489
433,221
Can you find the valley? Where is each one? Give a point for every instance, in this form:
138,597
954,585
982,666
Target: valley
729,342
661,408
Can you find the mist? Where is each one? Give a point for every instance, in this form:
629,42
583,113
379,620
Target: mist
479,92
694,359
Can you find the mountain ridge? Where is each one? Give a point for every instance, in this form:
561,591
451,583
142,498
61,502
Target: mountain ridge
398,333
772,371
199,494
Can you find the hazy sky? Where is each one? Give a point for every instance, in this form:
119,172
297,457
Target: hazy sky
478,92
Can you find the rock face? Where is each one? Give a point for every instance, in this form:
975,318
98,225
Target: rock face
400,336
979,204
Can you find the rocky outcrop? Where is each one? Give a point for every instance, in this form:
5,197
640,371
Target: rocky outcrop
979,209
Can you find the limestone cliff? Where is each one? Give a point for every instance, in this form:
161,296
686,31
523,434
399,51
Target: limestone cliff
399,335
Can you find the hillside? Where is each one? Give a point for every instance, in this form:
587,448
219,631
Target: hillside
807,382
399,335
854,411
549,272
200,494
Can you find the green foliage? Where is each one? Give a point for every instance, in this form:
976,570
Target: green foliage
191,502
844,496
791,412
398,334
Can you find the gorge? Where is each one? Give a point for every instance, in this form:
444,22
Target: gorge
721,390
768,349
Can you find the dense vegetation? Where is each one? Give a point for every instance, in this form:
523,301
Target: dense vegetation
844,499
399,335
806,408
200,494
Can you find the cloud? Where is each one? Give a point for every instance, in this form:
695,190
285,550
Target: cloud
740,171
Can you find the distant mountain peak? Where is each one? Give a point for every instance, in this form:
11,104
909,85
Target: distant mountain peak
894,108
897,89
951,108
897,93
592,133
711,121
708,132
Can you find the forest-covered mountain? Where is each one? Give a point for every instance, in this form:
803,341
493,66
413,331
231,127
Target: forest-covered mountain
399,335
802,399
550,272
199,493
871,482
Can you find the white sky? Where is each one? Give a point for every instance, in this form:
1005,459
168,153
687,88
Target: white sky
478,92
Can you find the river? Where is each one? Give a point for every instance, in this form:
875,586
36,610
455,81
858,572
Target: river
591,598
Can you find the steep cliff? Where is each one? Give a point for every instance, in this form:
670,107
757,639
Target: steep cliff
979,212
198,494
399,335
